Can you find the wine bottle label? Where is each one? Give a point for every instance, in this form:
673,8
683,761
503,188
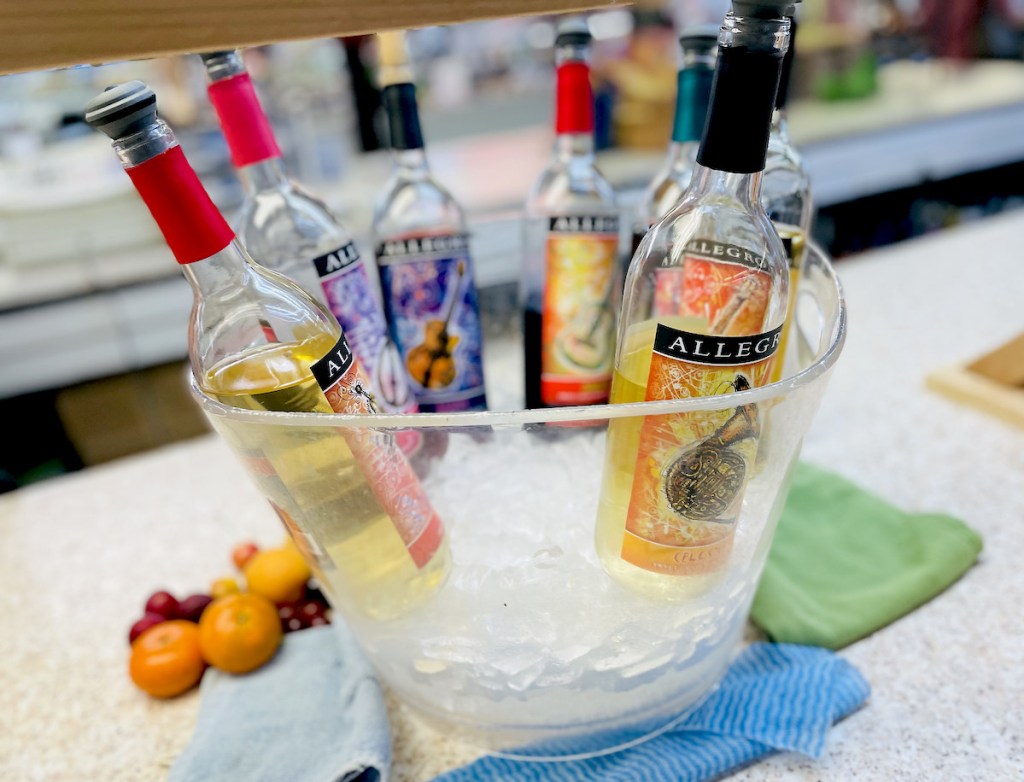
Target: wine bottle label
352,299
578,324
727,286
691,468
388,473
431,303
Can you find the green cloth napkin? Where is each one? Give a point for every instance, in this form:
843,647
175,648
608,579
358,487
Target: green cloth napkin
845,563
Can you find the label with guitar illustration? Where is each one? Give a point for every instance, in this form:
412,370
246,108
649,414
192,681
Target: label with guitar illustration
578,324
431,304
353,301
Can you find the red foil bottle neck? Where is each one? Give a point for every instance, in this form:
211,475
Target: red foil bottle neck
190,222
575,100
246,128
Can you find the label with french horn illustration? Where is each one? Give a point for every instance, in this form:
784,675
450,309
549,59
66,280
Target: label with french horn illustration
692,468
430,299
578,325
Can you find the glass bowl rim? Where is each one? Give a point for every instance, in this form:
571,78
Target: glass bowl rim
469,420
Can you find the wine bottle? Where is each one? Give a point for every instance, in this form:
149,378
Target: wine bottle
699,47
704,302
786,190
258,341
571,248
423,257
293,232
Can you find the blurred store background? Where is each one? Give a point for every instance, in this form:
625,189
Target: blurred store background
908,112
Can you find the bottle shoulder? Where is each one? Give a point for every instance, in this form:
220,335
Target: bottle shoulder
714,251
236,305
720,223
786,187
279,227
573,186
408,205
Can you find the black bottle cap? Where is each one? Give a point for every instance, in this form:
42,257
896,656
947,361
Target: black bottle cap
403,116
740,115
764,9
698,35
122,109
573,32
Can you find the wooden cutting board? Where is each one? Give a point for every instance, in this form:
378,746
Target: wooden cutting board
993,383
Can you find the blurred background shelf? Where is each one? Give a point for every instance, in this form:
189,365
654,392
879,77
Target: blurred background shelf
903,130
62,33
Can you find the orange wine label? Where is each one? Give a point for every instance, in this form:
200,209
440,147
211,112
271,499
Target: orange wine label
726,285
578,325
388,473
691,468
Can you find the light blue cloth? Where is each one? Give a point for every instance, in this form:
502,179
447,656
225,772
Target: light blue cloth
315,713
775,697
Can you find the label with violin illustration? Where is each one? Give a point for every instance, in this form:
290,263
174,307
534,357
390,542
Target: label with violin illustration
578,324
389,475
431,304
353,301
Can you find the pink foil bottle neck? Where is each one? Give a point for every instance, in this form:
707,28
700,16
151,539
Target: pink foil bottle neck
246,128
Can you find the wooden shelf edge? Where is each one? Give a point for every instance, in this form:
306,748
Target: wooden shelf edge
960,384
62,33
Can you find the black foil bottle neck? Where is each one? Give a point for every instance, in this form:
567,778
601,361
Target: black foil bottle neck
403,116
739,118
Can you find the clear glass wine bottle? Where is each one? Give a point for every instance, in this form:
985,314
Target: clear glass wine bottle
571,241
426,271
704,303
786,190
293,232
351,502
699,48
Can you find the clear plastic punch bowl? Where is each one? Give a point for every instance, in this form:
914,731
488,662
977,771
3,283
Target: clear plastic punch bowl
508,630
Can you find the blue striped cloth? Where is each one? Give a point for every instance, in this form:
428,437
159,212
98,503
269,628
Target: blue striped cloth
774,698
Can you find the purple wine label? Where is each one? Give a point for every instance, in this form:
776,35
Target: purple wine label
431,303
353,300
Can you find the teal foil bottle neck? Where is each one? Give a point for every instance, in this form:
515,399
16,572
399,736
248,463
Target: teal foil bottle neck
692,100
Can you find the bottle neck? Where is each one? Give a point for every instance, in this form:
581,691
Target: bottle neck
189,220
246,127
222,272
574,98
692,97
411,163
780,126
743,188
680,155
403,117
574,146
743,92
782,95
267,175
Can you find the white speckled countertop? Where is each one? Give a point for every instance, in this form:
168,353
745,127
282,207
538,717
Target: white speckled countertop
78,555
